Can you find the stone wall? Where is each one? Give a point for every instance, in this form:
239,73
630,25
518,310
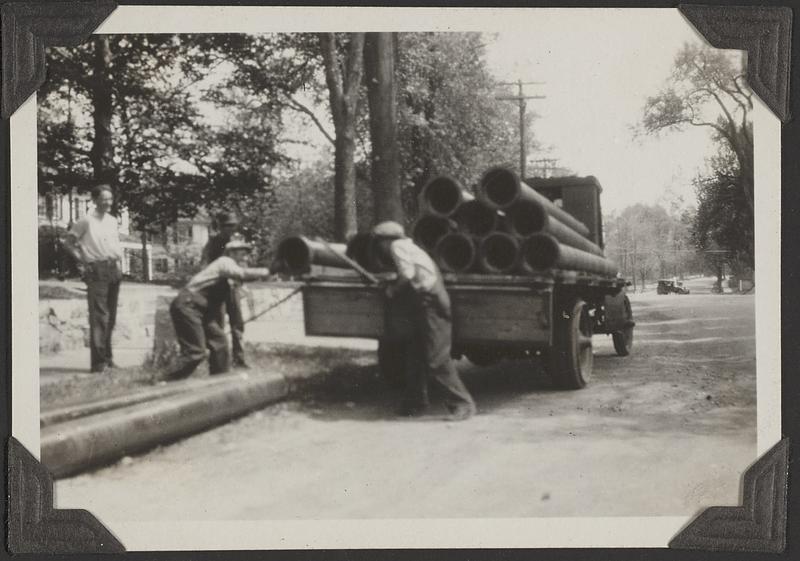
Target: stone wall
144,323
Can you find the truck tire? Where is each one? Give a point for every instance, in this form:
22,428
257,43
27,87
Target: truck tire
570,360
623,339
392,362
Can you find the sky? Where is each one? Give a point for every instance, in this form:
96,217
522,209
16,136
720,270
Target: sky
599,66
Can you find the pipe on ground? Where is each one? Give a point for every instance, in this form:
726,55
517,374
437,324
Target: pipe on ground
428,230
298,253
442,195
501,188
498,253
456,252
527,217
541,252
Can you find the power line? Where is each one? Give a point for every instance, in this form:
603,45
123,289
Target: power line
520,98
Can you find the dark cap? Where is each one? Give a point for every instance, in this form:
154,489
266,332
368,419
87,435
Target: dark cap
227,219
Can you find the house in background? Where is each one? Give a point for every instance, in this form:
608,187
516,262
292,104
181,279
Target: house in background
172,253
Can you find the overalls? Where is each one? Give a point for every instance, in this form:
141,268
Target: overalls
429,352
195,315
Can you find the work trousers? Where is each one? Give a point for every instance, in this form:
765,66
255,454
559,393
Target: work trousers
196,322
429,352
102,290
233,306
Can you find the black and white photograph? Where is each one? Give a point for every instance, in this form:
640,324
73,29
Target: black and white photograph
387,278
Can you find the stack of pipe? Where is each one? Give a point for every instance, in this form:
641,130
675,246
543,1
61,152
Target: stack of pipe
508,229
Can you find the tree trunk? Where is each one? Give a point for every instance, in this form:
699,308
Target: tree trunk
379,69
102,152
343,84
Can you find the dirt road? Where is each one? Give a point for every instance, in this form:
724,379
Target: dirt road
666,431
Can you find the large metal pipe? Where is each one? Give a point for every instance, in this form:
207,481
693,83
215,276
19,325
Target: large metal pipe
358,249
428,230
541,252
456,252
363,249
501,188
528,217
498,253
297,254
442,195
476,218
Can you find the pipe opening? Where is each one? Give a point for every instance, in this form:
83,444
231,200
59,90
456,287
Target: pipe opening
295,254
442,195
429,229
456,252
526,218
476,218
500,187
499,252
540,252
357,249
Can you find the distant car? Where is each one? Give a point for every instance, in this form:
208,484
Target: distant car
670,287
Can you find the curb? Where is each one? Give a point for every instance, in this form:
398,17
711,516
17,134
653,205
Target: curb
74,446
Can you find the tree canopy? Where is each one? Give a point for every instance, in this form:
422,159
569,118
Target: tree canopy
707,88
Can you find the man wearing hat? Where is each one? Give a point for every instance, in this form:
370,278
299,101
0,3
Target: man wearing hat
432,338
228,224
195,311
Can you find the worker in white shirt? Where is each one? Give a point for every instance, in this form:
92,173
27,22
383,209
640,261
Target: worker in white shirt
94,243
195,311
432,339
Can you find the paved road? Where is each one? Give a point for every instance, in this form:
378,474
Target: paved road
666,431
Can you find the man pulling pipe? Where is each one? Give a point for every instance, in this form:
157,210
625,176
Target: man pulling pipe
195,311
429,354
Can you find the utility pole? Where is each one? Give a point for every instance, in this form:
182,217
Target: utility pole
520,98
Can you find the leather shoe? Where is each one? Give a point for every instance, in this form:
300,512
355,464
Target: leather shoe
461,412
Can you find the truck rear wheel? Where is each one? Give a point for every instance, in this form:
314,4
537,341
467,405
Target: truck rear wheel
623,339
570,360
392,362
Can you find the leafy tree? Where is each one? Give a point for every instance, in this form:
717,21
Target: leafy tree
707,89
343,72
724,222
449,119
647,241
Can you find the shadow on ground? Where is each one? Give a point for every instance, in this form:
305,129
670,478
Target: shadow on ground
351,392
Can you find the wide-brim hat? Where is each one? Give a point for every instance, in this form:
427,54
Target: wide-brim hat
389,229
238,243
228,219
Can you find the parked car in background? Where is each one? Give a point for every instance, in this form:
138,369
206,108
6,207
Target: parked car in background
671,287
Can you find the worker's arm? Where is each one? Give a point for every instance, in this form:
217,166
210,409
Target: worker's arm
405,271
228,268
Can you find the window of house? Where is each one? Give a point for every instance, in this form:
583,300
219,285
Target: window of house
161,265
183,232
